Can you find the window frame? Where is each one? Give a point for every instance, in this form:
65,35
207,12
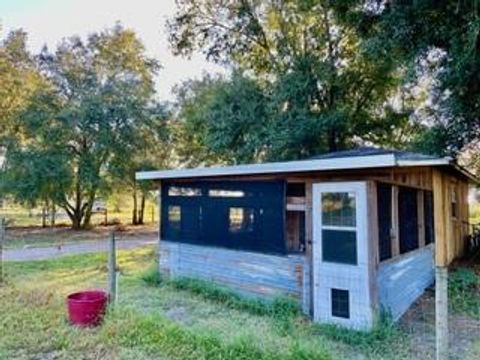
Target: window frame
324,228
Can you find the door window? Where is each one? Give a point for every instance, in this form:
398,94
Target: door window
339,232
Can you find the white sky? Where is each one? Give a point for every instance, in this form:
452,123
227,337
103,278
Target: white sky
48,21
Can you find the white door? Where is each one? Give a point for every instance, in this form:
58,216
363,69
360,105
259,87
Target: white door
340,254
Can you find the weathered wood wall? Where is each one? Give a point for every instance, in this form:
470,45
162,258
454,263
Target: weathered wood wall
403,279
250,273
450,231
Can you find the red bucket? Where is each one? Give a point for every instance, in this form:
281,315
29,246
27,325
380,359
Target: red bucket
87,308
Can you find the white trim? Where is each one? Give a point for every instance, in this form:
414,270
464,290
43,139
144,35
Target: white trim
342,163
426,162
361,162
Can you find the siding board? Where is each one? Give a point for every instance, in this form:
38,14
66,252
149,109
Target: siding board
401,281
251,274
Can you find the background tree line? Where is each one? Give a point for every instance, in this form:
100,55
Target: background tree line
304,77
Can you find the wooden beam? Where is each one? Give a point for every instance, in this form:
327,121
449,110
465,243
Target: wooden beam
440,218
395,235
421,218
309,238
373,247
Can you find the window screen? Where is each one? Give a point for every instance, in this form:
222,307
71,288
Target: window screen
241,219
384,209
428,213
175,216
408,219
339,246
340,303
248,215
454,202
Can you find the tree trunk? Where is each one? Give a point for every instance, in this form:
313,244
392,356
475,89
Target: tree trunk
134,211
141,211
53,214
88,210
76,221
44,216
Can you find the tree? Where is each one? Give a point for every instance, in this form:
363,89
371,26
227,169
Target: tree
326,87
19,79
447,31
152,150
221,121
96,99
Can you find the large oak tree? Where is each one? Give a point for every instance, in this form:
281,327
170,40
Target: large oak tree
95,99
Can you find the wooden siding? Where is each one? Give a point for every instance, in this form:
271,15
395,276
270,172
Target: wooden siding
450,231
403,279
252,274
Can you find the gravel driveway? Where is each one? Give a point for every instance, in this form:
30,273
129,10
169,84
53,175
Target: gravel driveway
49,252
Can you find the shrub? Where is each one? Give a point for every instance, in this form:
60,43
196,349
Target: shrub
152,276
464,292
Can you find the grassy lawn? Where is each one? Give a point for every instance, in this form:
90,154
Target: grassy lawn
169,320
157,319
38,237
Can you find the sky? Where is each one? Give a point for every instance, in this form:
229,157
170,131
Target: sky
48,21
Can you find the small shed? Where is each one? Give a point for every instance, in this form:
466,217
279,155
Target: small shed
348,234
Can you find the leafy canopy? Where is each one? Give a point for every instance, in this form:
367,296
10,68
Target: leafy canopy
314,85
90,110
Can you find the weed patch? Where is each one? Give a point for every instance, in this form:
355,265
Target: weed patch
464,292
280,308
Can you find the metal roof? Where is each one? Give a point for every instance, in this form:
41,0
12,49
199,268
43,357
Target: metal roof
364,158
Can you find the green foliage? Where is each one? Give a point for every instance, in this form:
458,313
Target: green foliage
379,340
305,82
221,120
464,292
92,109
279,308
18,81
152,276
441,35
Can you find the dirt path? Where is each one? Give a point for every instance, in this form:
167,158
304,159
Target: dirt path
50,252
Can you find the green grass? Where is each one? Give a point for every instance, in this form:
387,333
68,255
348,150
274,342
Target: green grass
174,319
464,292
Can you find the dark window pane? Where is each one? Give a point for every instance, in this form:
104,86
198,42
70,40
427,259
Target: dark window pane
241,219
408,219
339,246
340,303
428,213
338,209
296,189
384,207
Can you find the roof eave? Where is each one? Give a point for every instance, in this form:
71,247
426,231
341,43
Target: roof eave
364,162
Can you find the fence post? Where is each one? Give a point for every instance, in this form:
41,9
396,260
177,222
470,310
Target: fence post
441,312
112,269
2,242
